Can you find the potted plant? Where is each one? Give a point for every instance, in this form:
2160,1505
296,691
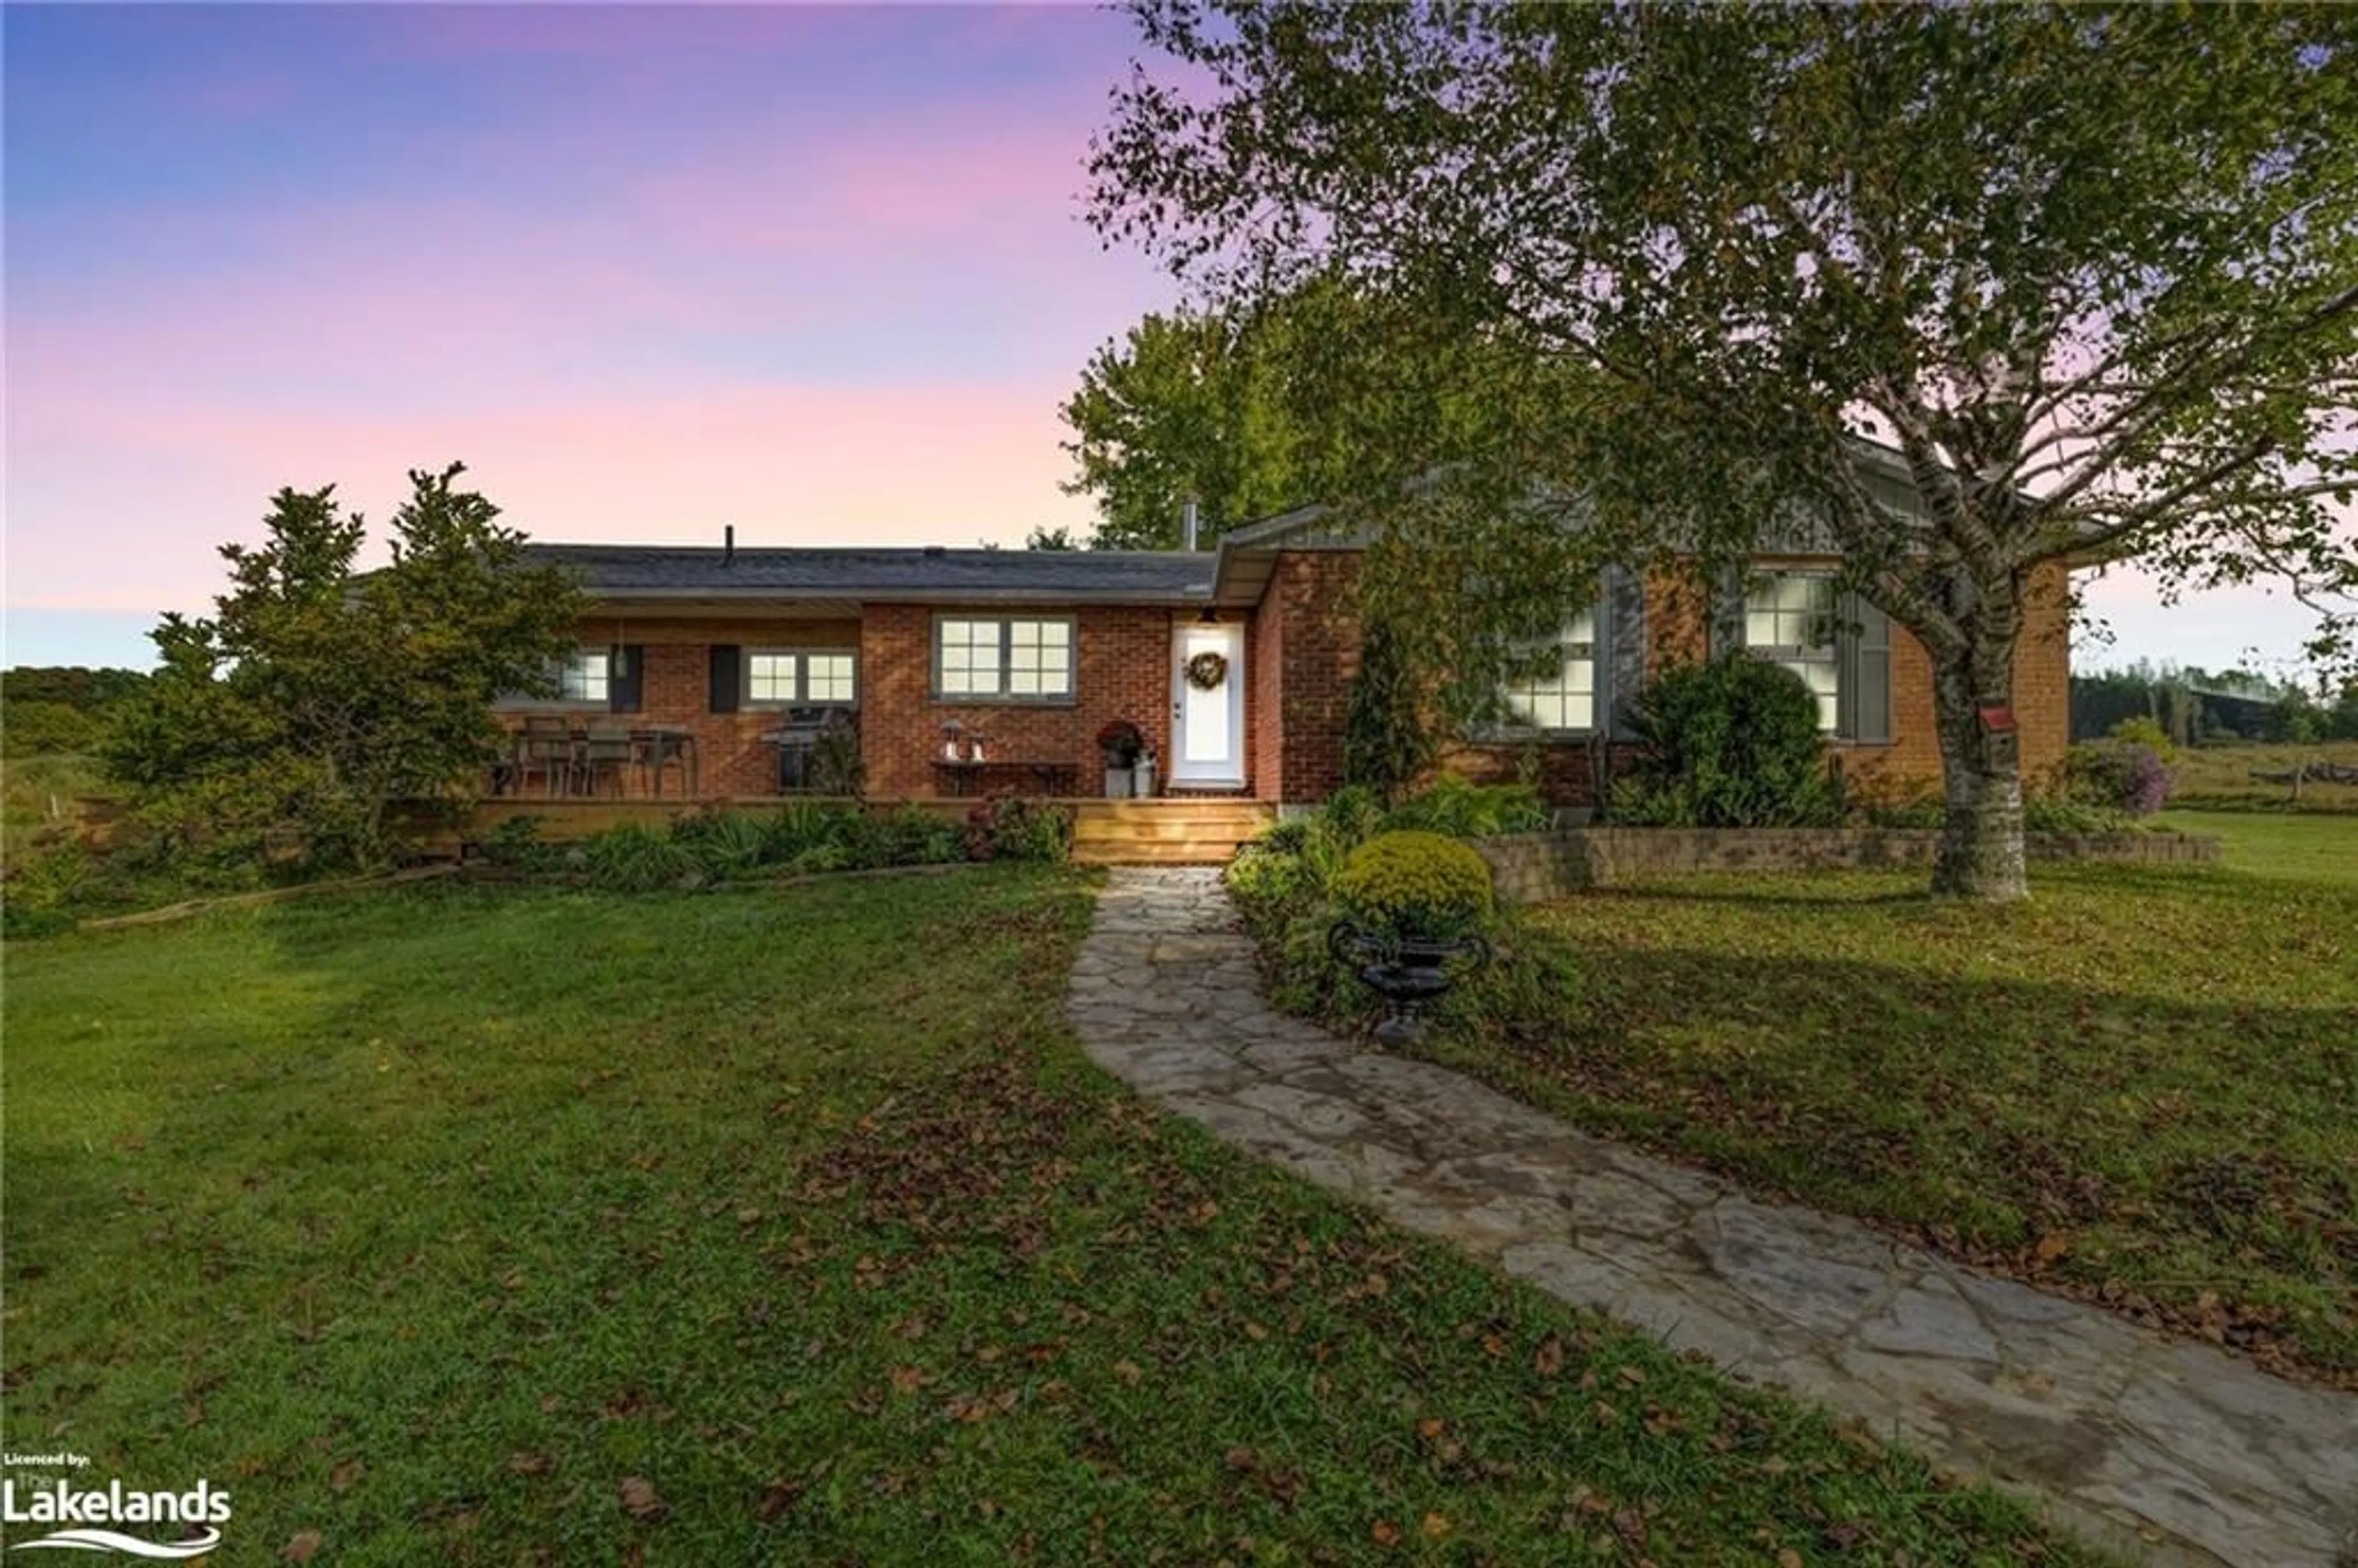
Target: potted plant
1415,906
1123,744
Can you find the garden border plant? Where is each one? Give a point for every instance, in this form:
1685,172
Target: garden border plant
809,838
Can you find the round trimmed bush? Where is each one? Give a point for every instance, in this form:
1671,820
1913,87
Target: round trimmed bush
1732,743
1416,884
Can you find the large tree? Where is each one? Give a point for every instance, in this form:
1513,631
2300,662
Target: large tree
2092,271
1206,406
315,697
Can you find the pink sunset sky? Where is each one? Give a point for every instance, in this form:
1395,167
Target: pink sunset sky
815,272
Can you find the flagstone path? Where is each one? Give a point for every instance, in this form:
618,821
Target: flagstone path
2169,1450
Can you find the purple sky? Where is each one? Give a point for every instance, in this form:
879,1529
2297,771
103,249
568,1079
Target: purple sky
817,272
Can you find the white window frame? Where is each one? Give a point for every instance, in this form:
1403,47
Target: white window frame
1003,692
800,695
1574,654
585,681
1805,639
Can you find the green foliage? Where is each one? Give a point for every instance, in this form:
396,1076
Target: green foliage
2144,731
725,843
1455,806
40,727
2120,776
1188,405
836,765
1415,883
84,689
1387,737
46,710
516,844
632,858
1976,227
1009,827
805,837
314,698
1730,743
906,836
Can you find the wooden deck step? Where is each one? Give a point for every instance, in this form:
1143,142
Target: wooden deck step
1166,831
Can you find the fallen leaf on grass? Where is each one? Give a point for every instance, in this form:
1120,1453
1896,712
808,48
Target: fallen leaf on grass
1385,1533
342,1477
302,1549
640,1499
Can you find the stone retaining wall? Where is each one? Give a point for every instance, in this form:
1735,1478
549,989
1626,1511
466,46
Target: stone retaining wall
1530,867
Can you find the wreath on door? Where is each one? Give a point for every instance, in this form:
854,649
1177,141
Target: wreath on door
1205,671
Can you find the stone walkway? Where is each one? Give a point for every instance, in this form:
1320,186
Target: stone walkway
2166,1449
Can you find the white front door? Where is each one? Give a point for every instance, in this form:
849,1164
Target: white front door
1207,725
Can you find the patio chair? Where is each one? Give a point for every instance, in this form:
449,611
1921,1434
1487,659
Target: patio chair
607,755
545,746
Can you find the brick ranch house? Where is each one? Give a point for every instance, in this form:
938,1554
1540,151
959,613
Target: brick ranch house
1032,652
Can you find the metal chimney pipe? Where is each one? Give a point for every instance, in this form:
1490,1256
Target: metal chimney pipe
729,543
1187,525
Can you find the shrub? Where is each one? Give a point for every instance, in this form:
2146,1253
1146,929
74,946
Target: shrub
1388,738
1895,802
636,859
1419,884
725,843
1732,743
1009,827
1458,808
516,843
796,830
2145,730
1351,815
2117,775
836,767
906,836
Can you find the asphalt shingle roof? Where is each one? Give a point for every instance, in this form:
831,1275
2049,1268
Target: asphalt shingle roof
685,572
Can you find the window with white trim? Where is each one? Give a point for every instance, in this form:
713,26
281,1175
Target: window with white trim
800,677
585,676
1017,658
1788,620
1562,699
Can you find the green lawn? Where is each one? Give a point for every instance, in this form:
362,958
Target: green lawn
2313,848
479,1226
2137,1086
2220,774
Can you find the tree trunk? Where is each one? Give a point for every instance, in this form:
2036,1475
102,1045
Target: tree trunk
1982,854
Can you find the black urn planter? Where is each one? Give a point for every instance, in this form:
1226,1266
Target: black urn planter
1406,971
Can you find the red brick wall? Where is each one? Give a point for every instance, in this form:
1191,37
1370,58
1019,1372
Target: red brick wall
1313,593
1123,671
1265,695
2042,695
1309,632
675,689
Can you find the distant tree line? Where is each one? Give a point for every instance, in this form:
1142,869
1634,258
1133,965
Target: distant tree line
60,707
2194,705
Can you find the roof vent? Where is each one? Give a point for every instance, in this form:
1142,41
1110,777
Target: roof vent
933,549
729,543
